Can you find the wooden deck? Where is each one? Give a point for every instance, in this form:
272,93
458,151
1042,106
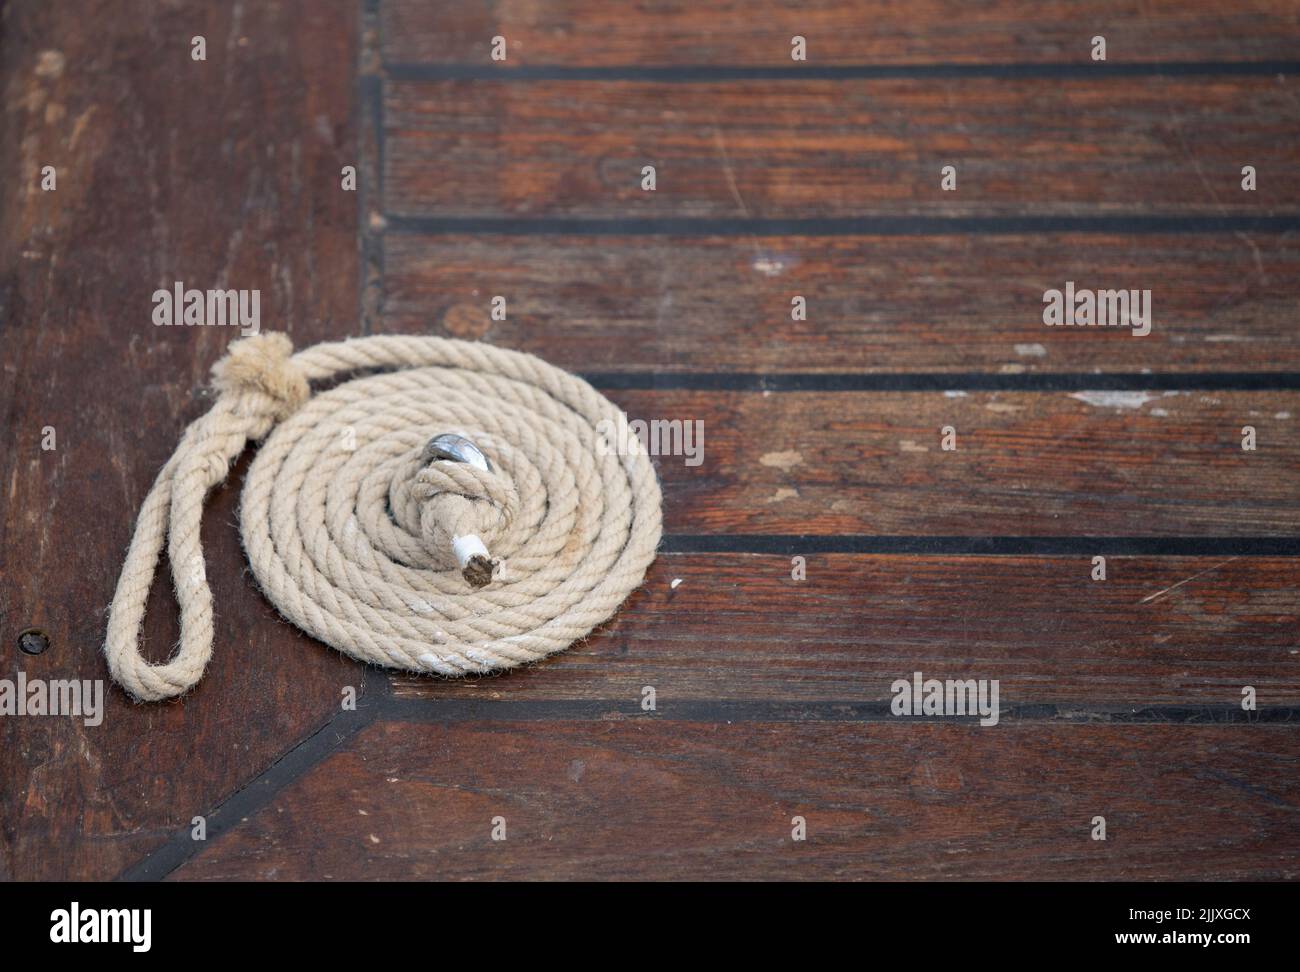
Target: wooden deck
1119,698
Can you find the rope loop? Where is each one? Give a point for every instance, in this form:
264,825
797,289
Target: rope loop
393,554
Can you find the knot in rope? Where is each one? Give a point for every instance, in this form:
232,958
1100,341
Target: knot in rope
365,538
259,375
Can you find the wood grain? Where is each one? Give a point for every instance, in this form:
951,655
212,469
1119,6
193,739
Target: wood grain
1181,631
803,149
1025,464
770,692
955,303
686,32
650,799
224,172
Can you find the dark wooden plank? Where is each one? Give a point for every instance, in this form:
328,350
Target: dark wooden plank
588,32
643,798
1026,463
874,303
803,149
224,172
1183,631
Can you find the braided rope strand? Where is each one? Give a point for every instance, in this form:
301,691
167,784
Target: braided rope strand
355,537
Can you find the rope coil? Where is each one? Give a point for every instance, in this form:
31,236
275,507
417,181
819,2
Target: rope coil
360,538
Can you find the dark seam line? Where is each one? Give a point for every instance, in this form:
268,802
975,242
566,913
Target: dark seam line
790,545
842,226
263,788
940,381
381,148
370,92
370,247
444,710
688,73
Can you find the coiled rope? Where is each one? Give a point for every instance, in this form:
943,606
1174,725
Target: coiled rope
360,539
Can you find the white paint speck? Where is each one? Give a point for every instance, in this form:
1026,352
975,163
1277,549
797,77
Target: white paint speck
50,64
783,494
781,460
1031,350
676,581
1115,399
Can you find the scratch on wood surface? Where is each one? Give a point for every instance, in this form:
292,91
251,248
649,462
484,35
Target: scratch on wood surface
727,169
1174,587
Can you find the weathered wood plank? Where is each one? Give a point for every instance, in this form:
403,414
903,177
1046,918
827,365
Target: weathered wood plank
1025,463
219,173
1183,631
644,798
685,32
805,149
226,173
874,303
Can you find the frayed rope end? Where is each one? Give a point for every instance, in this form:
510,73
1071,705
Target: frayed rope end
478,572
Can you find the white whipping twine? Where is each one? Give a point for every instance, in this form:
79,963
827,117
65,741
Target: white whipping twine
371,548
